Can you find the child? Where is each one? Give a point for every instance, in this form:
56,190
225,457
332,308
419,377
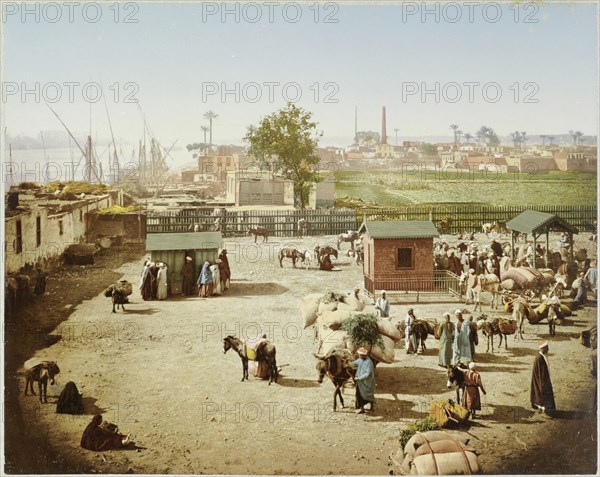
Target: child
471,397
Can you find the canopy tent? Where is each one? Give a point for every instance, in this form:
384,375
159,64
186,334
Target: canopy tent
538,223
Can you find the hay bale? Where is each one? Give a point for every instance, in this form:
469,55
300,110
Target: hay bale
448,413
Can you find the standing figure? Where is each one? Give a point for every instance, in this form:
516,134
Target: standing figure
225,271
205,281
462,340
216,273
147,282
161,280
187,277
592,277
410,342
365,381
302,227
40,283
542,394
446,342
383,306
471,398
154,283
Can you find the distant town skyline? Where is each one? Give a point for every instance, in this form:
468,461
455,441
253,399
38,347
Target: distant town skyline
531,67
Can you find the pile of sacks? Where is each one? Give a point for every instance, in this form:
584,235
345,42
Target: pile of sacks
328,312
435,453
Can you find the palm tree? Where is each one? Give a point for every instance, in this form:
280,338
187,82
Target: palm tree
524,138
516,138
482,134
210,115
574,135
468,137
543,136
551,139
578,135
204,130
458,134
454,128
396,130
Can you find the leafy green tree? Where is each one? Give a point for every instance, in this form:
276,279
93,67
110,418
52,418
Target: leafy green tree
428,149
288,140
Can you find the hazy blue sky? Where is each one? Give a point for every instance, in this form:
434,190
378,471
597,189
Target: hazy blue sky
374,55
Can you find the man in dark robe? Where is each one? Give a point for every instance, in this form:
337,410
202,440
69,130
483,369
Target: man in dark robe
454,264
188,287
154,283
542,394
225,271
97,437
326,264
40,283
147,279
497,248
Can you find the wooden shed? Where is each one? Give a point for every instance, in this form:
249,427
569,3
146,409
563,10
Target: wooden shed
538,224
398,255
172,248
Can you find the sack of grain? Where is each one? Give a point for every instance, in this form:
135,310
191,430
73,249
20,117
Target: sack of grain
334,319
353,303
323,307
508,284
332,340
396,462
308,307
124,287
420,438
443,447
385,327
453,463
385,355
507,327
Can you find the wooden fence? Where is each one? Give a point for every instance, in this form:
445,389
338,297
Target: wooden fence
469,218
284,223
416,287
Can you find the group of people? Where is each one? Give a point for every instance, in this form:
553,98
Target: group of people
154,282
213,278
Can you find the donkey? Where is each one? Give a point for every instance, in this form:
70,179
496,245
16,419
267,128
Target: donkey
321,252
259,231
500,327
336,365
265,352
456,378
42,373
351,236
291,253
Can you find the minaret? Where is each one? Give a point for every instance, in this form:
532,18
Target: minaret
383,131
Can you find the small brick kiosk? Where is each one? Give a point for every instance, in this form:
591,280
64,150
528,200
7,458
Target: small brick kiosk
398,255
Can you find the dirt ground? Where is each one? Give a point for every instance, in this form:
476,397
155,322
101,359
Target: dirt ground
158,371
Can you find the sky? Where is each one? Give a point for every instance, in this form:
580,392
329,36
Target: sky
528,67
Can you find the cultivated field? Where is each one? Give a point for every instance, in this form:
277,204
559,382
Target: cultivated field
158,371
396,188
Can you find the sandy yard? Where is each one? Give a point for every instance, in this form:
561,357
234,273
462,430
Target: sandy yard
158,371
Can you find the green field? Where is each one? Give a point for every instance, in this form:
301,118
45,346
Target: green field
390,188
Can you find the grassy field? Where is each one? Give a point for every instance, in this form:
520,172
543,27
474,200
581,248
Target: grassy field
389,188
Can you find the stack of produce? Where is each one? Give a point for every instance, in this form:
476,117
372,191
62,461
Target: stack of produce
435,453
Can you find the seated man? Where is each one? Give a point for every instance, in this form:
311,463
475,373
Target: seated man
326,263
98,436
